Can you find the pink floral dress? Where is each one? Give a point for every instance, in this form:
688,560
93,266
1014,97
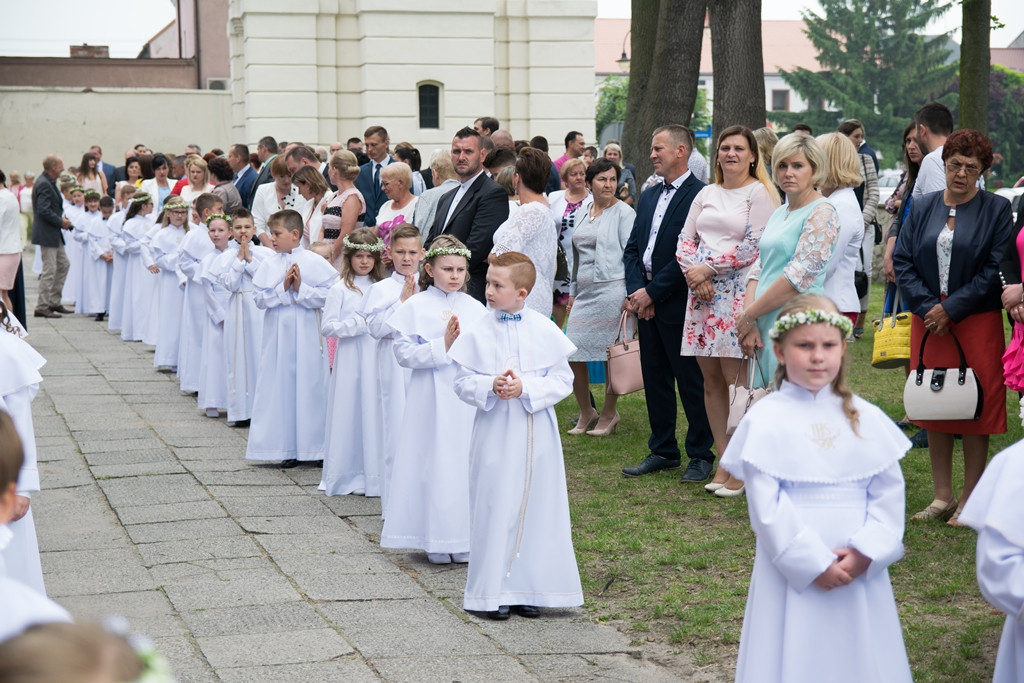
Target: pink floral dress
722,231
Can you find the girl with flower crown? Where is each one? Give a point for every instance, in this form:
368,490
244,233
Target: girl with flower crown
139,282
165,248
351,462
428,504
826,503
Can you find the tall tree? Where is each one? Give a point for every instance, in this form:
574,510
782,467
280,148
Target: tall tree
738,62
664,69
975,65
877,66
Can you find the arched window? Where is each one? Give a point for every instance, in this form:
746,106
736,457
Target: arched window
430,105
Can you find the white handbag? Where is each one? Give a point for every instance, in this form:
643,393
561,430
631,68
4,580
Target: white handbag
942,393
741,398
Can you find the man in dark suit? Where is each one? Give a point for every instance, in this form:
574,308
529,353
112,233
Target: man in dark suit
473,210
103,167
266,150
48,226
368,181
120,173
245,176
657,294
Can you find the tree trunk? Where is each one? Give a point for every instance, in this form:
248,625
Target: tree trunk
975,65
663,72
738,61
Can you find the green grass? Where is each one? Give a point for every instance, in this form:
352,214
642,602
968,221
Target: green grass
671,563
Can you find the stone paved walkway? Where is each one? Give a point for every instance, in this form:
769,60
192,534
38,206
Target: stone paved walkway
245,572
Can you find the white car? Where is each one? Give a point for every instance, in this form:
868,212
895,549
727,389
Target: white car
1013,194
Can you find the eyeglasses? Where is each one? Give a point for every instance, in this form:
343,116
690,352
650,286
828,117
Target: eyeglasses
955,167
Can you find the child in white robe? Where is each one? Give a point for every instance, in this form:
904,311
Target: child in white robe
194,248
93,270
995,511
74,208
514,368
429,490
213,376
139,282
351,463
243,324
120,261
289,414
21,606
19,384
826,502
382,300
150,333
165,250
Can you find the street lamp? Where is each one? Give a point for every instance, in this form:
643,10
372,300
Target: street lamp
623,61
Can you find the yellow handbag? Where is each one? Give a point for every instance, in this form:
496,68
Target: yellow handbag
892,337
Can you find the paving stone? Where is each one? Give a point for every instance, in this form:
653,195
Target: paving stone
247,490
345,541
406,628
306,476
169,488
140,432
118,445
148,612
45,442
195,549
49,426
231,589
136,469
371,525
114,457
170,512
556,632
203,441
447,669
275,648
121,573
186,663
346,506
442,580
287,616
280,506
321,524
251,477
348,670
233,454
177,531
58,474
335,563
341,577
205,570
616,667
218,465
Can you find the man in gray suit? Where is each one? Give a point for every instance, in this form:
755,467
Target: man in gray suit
48,224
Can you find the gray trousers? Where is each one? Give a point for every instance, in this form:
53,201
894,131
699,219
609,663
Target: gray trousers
51,282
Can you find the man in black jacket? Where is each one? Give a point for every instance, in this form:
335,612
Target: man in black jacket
48,224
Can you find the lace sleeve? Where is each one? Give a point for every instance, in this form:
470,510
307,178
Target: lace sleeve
689,240
523,229
814,248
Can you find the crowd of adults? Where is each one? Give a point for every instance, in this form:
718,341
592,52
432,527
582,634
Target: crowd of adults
704,267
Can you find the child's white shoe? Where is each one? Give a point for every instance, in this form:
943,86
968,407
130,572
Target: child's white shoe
439,558
460,558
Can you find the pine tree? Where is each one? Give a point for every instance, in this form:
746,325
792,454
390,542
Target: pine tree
877,66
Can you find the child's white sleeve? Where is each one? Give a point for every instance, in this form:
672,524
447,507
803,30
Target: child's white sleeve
166,261
543,391
216,301
793,547
338,322
233,275
270,298
417,353
881,537
312,297
1000,566
475,389
377,319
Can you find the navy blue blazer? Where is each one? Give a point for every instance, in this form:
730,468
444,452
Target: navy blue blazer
667,286
983,233
245,185
372,193
262,178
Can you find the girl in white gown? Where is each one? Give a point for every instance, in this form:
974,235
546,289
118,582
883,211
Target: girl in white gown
213,375
139,282
164,248
352,464
429,489
826,502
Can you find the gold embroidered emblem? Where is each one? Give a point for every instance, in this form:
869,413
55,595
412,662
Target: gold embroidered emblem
823,436
447,314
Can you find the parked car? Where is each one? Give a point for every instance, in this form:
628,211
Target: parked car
1013,194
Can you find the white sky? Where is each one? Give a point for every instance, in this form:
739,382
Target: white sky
47,27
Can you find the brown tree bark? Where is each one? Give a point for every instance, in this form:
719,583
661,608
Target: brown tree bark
737,56
975,65
663,72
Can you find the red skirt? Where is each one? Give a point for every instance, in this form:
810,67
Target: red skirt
981,336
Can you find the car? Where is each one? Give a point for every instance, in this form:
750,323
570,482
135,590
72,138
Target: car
1013,194
889,178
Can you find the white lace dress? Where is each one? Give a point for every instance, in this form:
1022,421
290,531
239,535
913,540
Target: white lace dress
531,232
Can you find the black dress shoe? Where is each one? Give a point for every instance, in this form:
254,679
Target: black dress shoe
528,611
60,309
698,470
289,463
100,317
652,463
46,313
501,615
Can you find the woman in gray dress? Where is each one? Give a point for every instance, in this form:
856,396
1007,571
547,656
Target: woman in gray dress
597,289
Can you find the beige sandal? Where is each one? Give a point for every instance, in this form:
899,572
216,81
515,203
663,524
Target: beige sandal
940,512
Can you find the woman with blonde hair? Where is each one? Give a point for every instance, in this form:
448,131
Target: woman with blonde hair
626,191
341,216
313,188
842,175
717,247
198,173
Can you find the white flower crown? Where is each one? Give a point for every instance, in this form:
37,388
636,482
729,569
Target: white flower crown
448,251
373,248
811,316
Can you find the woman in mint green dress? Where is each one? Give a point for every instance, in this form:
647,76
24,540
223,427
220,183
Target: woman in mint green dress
795,247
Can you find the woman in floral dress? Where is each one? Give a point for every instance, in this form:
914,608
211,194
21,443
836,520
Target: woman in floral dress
717,246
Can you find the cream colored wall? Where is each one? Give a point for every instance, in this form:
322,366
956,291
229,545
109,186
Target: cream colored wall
67,121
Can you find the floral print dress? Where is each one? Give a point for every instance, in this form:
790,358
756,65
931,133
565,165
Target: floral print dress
722,231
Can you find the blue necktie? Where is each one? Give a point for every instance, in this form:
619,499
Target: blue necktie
506,317
376,175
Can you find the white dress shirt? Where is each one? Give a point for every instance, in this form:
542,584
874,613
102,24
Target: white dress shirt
659,214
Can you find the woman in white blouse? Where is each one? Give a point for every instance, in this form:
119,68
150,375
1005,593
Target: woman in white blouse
276,196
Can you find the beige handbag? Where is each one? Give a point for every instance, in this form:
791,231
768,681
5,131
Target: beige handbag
741,398
942,393
624,372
